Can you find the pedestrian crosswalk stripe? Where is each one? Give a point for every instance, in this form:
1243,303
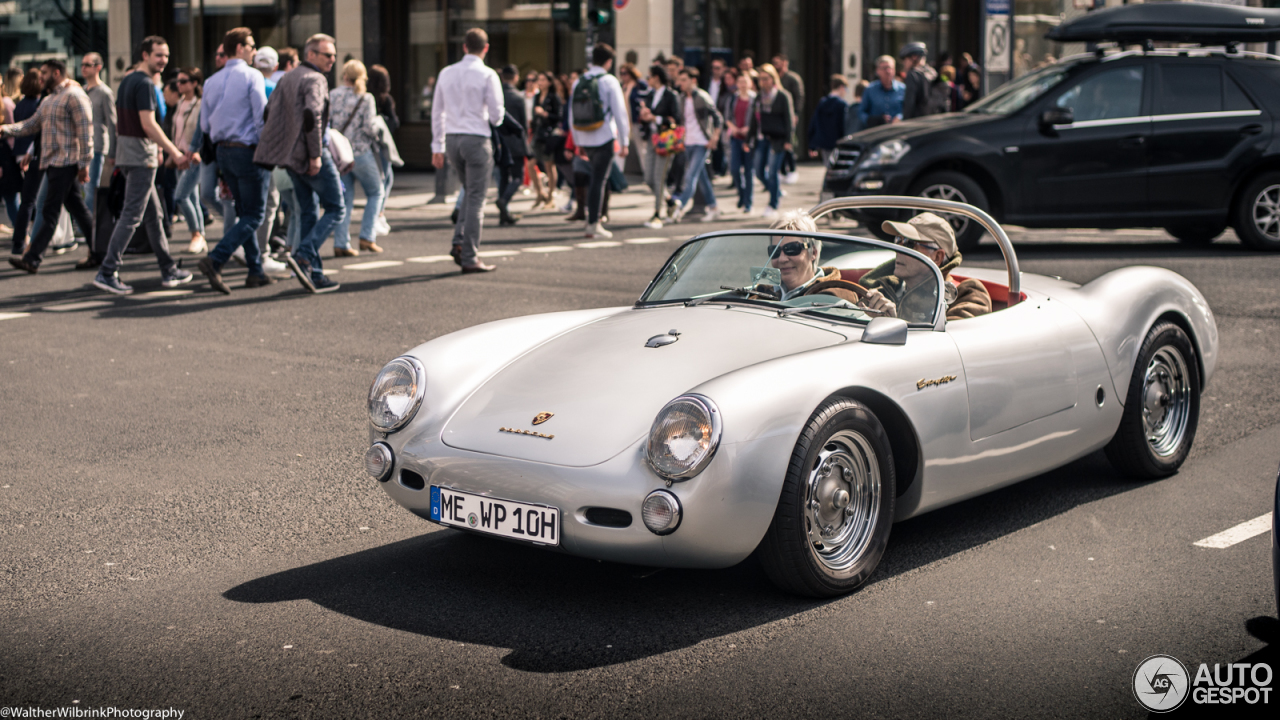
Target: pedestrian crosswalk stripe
497,253
13,316
548,249
86,305
646,240
1237,534
373,265
600,244
429,258
159,294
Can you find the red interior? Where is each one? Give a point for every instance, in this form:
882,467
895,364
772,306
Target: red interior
999,293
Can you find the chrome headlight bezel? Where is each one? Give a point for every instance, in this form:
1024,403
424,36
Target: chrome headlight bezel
889,152
419,374
709,416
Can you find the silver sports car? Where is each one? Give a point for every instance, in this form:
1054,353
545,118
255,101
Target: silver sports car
721,415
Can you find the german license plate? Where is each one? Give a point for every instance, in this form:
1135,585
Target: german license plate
492,516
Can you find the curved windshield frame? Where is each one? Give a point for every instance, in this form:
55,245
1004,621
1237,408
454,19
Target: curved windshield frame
1025,90
738,267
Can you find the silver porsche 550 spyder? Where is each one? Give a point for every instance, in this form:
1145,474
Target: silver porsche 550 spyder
715,418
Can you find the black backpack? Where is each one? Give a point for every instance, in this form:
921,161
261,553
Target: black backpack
588,110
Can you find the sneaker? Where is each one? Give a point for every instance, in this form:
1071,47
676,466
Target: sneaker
382,226
271,265
111,283
675,213
197,246
175,277
63,248
214,274
654,223
257,281
238,256
301,270
322,283
792,177
711,215
597,230
769,213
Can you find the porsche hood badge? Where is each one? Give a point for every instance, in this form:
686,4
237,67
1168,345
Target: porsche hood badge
542,417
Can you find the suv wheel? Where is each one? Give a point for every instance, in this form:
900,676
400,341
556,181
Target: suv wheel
1258,213
951,185
1196,234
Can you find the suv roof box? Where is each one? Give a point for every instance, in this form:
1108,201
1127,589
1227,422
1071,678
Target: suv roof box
1172,22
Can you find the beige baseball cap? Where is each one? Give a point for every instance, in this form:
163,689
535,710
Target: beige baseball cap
926,228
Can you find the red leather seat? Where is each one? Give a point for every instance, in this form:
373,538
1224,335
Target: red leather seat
999,293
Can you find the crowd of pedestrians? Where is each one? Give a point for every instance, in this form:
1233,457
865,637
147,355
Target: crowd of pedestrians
263,144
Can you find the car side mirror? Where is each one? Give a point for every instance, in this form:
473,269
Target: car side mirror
1051,118
886,331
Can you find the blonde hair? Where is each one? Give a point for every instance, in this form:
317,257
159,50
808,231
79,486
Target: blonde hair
886,59
13,84
767,69
800,221
355,73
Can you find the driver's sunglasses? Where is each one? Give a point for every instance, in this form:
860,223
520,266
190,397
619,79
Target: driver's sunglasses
913,244
790,249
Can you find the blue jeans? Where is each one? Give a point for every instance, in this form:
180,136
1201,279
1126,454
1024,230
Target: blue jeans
11,205
37,217
388,177
325,188
187,197
248,183
741,165
695,175
366,171
95,174
768,163
209,195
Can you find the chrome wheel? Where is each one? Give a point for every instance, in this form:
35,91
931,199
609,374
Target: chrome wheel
842,500
1166,401
959,223
1266,212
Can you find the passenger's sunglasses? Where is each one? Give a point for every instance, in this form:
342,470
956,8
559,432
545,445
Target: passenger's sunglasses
914,244
183,81
790,249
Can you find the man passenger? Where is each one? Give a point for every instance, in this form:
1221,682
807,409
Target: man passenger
902,288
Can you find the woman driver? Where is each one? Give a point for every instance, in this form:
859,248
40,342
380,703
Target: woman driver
796,258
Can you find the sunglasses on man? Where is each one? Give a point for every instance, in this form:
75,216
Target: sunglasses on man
914,244
790,249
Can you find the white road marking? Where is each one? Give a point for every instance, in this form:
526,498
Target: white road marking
600,244
647,241
159,294
497,253
86,305
548,249
1237,534
429,258
13,316
330,271
373,265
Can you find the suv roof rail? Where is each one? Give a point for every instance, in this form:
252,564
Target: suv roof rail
1102,54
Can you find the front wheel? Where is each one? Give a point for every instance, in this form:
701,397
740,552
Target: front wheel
1258,213
832,522
1162,408
956,186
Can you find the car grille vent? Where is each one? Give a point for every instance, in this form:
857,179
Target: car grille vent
608,517
412,480
843,164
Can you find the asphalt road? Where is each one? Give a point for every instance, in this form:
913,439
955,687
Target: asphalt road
185,521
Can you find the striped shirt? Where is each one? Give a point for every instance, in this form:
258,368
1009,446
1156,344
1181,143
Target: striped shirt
65,121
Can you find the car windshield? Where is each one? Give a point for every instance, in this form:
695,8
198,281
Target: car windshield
785,271
1023,91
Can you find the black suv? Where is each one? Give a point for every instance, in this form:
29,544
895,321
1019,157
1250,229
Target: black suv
1179,139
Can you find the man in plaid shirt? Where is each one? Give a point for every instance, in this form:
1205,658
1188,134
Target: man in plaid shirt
65,124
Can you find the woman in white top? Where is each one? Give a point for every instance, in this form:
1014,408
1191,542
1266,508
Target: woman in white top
351,112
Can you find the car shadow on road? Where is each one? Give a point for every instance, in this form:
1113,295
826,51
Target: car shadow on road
1264,628
558,613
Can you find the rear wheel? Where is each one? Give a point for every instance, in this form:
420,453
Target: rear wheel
956,186
1196,234
832,522
1162,408
1258,213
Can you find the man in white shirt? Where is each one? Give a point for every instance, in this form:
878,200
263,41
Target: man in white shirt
467,101
595,135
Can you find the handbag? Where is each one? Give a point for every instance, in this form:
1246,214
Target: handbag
340,149
386,142
669,141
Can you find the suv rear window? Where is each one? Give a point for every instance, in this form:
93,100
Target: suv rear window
1190,89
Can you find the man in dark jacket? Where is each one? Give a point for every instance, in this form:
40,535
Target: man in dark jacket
660,110
794,85
827,126
919,79
511,176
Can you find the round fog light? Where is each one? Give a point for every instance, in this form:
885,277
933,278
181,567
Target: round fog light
661,512
378,461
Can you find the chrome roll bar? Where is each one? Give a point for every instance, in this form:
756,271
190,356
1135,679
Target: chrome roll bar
898,202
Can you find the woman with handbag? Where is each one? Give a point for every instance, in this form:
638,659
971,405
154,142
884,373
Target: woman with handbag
771,127
352,110
186,118
661,137
547,142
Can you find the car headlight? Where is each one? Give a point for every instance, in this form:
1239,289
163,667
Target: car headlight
684,437
888,152
396,394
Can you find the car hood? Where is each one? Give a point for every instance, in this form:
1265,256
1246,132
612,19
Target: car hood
917,128
603,387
